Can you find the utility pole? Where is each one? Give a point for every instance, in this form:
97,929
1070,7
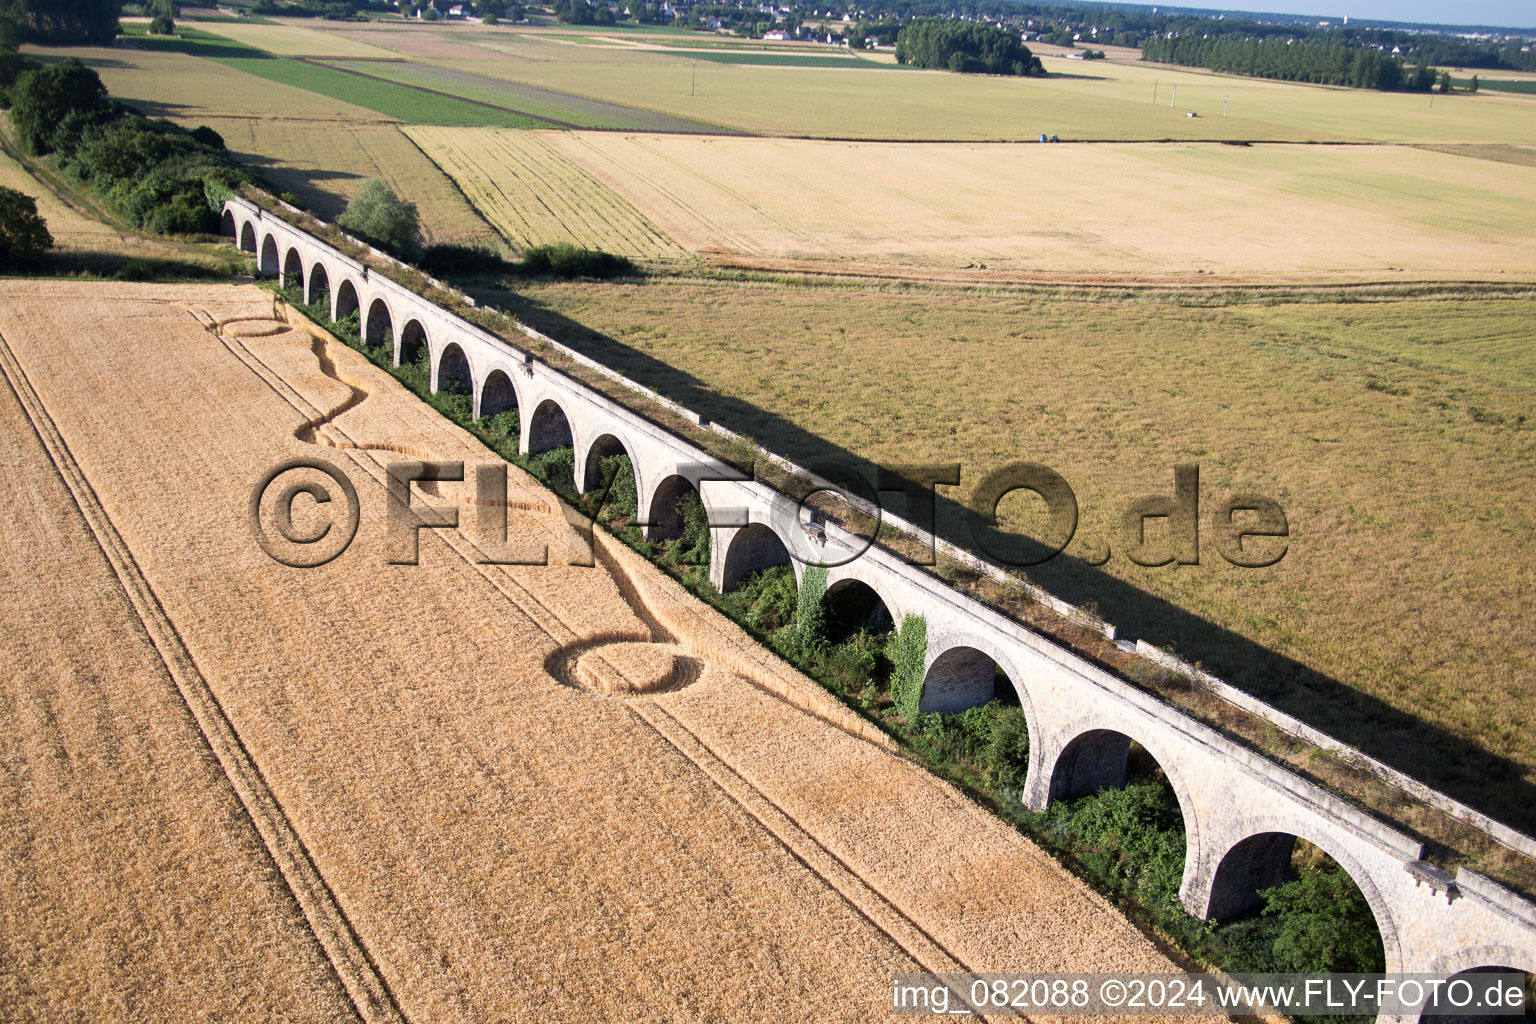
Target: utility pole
1175,100
1225,102
693,78
1154,93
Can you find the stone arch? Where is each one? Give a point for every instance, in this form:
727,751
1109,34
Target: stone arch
1479,960
452,375
346,302
602,448
753,547
963,676
1091,761
248,238
1472,958
498,394
1262,859
851,604
227,223
413,342
548,428
319,284
293,270
268,265
666,519
379,328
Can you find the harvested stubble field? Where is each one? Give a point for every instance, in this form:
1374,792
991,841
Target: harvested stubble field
371,790
1393,434
1347,211
318,148
1109,100
533,195
558,106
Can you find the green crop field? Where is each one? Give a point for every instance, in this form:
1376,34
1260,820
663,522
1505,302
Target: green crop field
1390,433
526,99
399,102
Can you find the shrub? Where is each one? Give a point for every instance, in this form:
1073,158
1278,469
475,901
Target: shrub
206,136
1325,925
1005,759
769,597
1131,839
566,260
556,467
46,100
620,496
459,260
162,25
24,236
382,218
12,66
692,548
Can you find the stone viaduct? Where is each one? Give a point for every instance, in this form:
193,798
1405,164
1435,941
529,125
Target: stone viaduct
1242,813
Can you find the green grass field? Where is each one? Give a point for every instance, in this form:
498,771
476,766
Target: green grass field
1398,437
396,101
561,107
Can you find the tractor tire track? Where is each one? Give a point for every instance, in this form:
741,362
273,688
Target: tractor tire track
343,948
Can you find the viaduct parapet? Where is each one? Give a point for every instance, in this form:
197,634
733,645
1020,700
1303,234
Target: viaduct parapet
1242,813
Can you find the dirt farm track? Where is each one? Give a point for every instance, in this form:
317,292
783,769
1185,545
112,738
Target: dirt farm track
232,790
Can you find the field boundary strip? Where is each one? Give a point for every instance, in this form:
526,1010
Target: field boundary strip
312,62
342,947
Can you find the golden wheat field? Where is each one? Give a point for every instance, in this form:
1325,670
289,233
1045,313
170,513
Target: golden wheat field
1277,211
384,791
534,195
324,163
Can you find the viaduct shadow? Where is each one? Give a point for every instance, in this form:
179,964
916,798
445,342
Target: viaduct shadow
1478,777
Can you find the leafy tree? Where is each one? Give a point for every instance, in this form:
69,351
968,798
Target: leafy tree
12,66
1321,61
1445,81
24,236
64,22
44,101
1472,85
379,216
162,25
1325,925
966,46
208,137
575,12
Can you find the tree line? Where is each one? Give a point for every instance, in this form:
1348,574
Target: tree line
967,46
60,22
158,174
1319,62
